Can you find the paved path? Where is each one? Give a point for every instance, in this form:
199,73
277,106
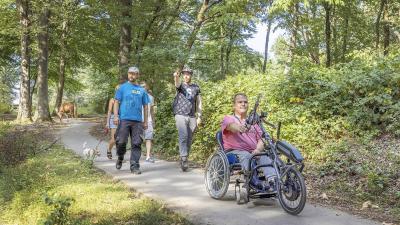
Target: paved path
185,192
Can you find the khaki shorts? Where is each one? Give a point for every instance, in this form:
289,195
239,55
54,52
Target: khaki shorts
149,133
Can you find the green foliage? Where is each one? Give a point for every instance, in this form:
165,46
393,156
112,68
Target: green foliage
4,108
59,214
315,104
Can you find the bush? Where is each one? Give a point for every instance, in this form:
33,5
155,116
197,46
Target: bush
317,105
4,108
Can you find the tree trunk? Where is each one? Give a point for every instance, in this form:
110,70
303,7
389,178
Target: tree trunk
345,33
24,109
222,52
293,37
327,8
386,29
228,52
266,44
141,41
125,38
61,77
42,109
334,36
33,90
377,24
201,18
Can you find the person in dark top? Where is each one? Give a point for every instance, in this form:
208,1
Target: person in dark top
187,105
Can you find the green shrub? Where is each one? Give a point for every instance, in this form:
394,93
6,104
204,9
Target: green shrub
59,214
4,108
316,105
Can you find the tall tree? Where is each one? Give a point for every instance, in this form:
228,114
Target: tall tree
68,8
269,24
386,29
347,12
125,36
42,108
327,8
146,31
24,109
377,23
294,29
200,19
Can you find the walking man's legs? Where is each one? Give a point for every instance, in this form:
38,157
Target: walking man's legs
136,142
191,128
122,134
181,125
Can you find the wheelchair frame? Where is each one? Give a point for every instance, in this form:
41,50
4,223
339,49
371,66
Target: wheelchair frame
217,177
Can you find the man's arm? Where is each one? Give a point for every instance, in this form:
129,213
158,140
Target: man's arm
116,110
109,111
177,80
236,127
152,114
145,116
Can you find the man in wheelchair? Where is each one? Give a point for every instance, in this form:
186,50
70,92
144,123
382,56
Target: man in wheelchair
244,140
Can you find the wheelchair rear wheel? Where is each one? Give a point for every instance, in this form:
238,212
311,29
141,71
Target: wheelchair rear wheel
292,192
217,175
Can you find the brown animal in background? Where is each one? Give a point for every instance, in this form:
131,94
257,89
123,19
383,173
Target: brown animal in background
67,108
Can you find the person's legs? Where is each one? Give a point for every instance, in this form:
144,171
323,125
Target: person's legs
136,142
148,136
112,139
244,158
121,139
181,125
111,143
268,171
191,128
148,148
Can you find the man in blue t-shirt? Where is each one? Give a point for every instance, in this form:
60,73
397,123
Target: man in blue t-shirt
130,98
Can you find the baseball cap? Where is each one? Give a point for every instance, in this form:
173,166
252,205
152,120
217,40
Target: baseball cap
133,69
187,69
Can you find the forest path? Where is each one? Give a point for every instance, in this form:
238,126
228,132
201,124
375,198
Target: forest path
186,194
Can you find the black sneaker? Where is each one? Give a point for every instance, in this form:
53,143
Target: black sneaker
135,170
184,164
118,165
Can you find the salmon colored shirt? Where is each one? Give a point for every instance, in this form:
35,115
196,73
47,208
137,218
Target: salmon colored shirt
239,141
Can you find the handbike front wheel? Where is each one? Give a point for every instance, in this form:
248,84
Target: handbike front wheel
217,175
292,192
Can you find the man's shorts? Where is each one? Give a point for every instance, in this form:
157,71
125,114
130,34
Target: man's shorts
149,132
111,122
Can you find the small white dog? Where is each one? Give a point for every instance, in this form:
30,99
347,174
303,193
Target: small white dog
90,153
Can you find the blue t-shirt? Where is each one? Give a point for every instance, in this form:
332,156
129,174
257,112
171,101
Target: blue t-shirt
131,97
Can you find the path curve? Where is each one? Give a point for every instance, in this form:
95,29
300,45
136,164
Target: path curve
186,194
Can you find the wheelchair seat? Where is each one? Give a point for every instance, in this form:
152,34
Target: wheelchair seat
233,160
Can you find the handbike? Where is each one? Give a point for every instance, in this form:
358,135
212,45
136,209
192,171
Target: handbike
287,161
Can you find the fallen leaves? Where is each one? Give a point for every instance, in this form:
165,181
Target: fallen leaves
324,196
368,204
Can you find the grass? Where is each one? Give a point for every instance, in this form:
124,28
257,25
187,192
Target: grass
59,186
